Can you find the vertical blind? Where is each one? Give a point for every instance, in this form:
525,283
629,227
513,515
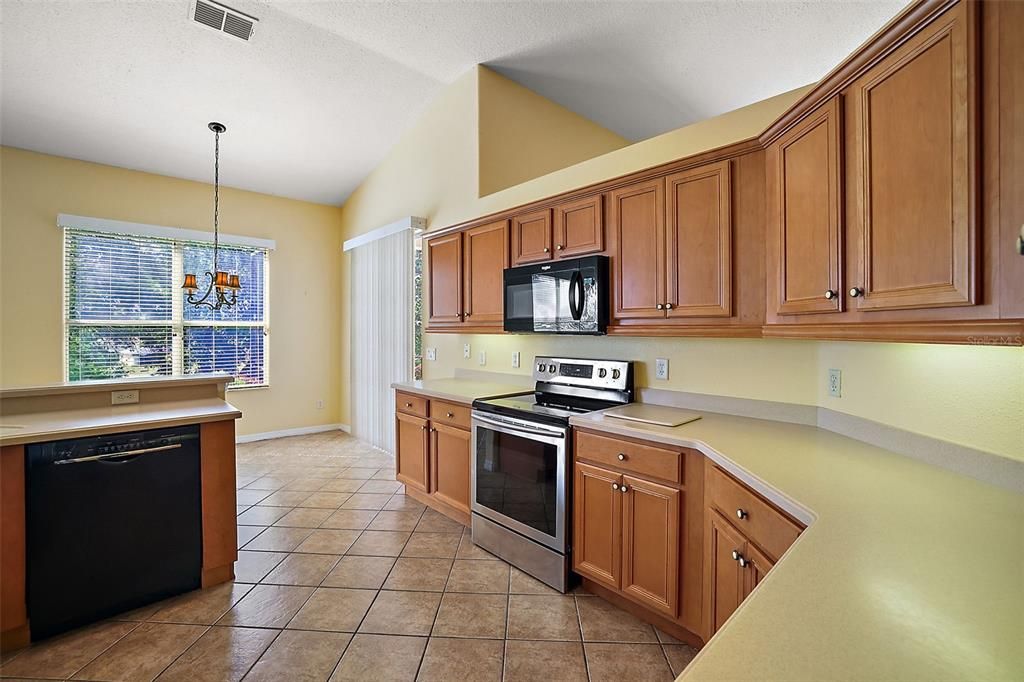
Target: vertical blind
125,313
382,333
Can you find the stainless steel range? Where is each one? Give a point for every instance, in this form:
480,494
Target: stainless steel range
522,454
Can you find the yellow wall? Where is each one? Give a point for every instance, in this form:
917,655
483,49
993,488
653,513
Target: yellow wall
969,395
523,135
305,275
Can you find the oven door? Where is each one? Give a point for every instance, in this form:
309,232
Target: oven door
567,297
519,473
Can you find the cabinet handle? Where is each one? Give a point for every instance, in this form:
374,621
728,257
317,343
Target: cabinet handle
449,415
425,428
559,247
668,306
736,556
856,291
408,404
622,457
615,486
741,514
743,562
432,430
624,488
659,306
547,250
829,294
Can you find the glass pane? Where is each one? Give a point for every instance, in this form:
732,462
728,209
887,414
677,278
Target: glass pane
117,278
114,352
247,263
235,350
517,477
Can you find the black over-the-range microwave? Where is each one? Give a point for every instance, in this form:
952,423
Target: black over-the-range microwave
561,297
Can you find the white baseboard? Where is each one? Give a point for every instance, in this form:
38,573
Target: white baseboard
301,431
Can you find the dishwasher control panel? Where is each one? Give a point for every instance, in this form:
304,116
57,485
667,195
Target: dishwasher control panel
109,446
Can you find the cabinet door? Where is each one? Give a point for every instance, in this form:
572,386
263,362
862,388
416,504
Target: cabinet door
807,213
450,465
650,544
637,217
597,525
758,564
916,170
699,249
444,267
411,446
485,259
726,580
531,237
579,227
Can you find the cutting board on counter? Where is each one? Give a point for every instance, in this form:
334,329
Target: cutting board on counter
658,415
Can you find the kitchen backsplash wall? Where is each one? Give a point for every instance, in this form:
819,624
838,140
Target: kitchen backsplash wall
971,395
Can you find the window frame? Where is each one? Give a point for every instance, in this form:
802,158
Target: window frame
177,324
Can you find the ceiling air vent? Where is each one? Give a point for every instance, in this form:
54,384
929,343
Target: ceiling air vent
223,19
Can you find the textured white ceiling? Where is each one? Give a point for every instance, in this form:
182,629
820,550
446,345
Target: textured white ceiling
326,88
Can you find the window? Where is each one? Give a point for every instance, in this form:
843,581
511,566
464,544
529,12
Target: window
125,313
417,312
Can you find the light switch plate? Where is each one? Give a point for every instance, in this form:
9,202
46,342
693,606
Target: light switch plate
835,383
661,369
467,353
431,354
124,397
483,357
515,360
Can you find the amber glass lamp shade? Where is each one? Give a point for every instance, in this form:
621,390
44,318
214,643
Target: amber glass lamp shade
221,280
234,283
190,283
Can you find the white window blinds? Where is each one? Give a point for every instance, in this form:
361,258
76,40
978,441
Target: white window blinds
125,314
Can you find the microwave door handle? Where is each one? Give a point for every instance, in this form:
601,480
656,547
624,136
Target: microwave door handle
576,295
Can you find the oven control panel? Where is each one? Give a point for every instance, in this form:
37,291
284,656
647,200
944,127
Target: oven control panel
616,374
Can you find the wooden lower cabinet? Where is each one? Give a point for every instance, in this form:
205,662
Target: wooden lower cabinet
724,575
597,525
450,462
650,544
412,466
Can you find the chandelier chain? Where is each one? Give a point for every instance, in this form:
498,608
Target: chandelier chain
216,197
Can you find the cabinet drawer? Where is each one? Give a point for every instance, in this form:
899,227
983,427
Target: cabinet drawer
411,404
449,413
758,520
646,460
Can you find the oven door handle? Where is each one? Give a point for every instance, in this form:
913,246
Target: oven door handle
500,425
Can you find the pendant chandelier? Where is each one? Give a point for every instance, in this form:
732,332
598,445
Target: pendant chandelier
222,291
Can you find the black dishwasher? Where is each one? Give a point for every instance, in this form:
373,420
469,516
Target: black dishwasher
113,522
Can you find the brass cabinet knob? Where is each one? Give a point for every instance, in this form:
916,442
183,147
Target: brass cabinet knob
659,306
741,514
668,306
856,291
449,415
547,250
408,404
830,294
622,457
615,486
432,430
559,247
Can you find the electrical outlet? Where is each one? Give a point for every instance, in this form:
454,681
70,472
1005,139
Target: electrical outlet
320,404
483,357
466,352
124,397
515,360
835,383
431,354
661,368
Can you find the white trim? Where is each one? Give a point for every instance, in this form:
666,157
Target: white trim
78,222
301,431
407,223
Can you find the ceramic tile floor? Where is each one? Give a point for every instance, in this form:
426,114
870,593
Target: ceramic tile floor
342,577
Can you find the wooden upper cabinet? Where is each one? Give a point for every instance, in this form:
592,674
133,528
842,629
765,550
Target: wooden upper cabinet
650,544
579,227
726,581
915,170
486,257
411,451
597,525
699,249
637,219
807,213
450,465
531,237
444,268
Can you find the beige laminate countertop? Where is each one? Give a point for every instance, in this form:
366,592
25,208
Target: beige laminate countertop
127,384
905,572
459,390
59,424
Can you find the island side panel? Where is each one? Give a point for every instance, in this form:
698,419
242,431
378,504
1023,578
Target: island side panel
220,534
14,631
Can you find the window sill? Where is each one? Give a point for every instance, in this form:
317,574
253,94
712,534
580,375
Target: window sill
247,387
